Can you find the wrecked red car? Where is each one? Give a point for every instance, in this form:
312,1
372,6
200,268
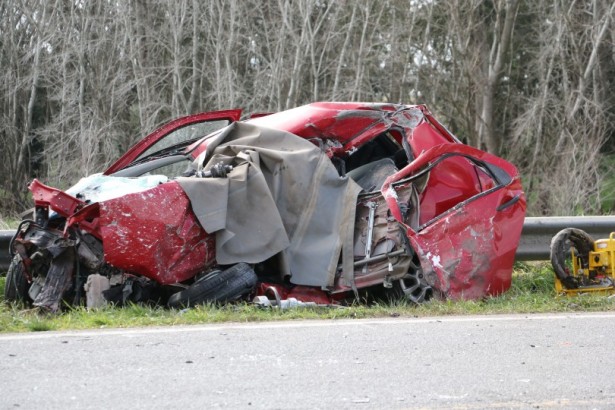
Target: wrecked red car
320,203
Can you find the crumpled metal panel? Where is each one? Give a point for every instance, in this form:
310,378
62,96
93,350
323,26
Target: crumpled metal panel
468,250
61,202
343,122
155,233
470,254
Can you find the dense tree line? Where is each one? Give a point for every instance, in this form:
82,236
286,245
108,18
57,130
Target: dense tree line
82,80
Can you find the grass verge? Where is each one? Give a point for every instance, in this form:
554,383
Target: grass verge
532,291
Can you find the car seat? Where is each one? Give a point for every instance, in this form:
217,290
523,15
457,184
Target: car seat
372,175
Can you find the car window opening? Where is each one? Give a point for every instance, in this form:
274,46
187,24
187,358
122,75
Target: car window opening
372,163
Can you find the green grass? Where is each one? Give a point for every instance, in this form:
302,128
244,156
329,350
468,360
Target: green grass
9,222
532,291
607,188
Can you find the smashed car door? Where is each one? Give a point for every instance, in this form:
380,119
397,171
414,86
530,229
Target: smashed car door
462,251
175,132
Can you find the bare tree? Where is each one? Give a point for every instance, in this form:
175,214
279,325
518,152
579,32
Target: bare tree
502,33
82,81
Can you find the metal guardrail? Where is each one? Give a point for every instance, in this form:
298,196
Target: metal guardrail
537,233
534,244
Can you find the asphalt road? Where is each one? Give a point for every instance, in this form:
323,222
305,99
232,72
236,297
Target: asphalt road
521,361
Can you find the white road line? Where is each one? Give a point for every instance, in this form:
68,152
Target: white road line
554,403
304,323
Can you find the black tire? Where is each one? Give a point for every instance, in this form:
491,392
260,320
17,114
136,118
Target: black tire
217,287
561,244
16,286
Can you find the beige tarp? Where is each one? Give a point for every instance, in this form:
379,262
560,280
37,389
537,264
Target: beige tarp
283,196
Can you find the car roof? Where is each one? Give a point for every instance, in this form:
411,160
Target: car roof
338,120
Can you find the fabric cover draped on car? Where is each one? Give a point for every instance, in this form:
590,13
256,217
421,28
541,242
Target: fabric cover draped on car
283,196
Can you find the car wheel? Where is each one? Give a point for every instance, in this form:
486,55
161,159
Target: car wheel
217,287
414,287
561,258
16,285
